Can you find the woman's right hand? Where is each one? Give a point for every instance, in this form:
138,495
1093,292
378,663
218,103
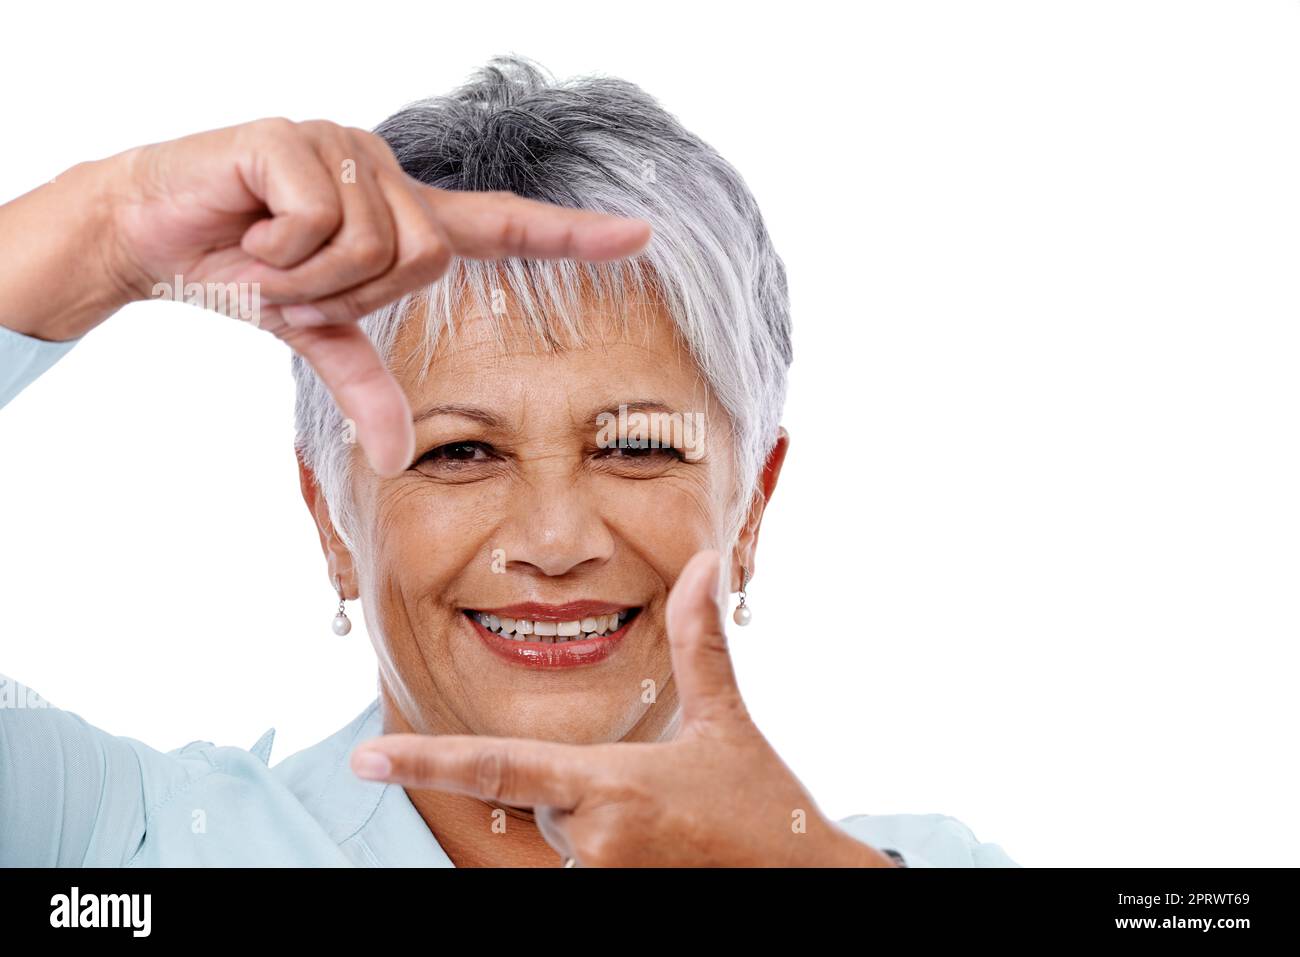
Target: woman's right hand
320,219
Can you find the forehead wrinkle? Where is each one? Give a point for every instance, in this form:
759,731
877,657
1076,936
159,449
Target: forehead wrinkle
471,366
597,316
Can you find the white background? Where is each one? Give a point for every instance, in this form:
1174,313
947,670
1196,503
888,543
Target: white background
1033,561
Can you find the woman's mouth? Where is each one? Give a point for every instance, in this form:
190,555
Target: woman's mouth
556,636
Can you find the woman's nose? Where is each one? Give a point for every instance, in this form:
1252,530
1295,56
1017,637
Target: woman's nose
555,526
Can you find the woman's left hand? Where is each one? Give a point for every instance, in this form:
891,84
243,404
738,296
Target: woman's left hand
716,795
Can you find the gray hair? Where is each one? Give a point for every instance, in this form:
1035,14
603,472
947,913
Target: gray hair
603,144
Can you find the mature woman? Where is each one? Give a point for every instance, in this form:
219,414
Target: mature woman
540,474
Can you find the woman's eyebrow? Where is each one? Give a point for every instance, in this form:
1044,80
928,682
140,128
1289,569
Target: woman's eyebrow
637,405
465,412
492,420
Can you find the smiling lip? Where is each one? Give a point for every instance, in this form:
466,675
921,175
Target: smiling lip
567,654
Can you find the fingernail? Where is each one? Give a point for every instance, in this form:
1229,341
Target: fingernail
303,315
372,765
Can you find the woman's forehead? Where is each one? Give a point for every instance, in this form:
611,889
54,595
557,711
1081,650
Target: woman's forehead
595,333
500,369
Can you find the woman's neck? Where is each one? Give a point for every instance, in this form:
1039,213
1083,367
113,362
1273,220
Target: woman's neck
473,833
476,834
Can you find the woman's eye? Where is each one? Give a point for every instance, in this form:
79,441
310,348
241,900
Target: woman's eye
641,449
456,453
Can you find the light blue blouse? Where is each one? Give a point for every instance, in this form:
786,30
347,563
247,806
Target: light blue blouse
74,795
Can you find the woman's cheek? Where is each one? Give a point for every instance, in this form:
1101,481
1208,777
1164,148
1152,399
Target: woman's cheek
427,512
425,540
665,520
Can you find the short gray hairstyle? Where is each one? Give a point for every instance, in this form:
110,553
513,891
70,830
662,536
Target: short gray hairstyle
595,143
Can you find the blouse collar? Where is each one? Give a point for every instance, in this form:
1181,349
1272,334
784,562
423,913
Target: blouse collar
374,823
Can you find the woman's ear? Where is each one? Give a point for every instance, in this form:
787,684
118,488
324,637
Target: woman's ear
747,543
338,558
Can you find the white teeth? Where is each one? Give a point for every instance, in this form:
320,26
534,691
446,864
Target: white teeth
552,632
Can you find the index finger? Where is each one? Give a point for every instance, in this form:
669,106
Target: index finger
363,388
498,225
515,771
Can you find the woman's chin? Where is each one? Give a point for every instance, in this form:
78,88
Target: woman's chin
539,721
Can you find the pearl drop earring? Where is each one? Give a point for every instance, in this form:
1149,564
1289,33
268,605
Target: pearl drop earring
741,615
342,624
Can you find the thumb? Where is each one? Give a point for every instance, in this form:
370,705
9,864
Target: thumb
698,641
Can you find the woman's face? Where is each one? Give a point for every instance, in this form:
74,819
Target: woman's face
516,506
